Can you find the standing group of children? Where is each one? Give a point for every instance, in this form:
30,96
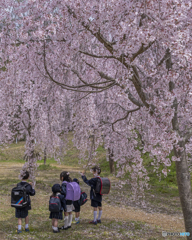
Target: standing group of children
67,206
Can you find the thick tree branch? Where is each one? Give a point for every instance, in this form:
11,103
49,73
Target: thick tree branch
141,50
134,100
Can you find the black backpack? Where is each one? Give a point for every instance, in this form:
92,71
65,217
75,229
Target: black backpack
19,196
83,198
54,204
103,186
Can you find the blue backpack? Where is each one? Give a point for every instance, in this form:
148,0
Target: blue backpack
54,204
83,198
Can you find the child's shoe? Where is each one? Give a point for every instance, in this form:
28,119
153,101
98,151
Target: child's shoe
63,228
77,222
19,231
56,231
69,227
27,230
98,221
92,222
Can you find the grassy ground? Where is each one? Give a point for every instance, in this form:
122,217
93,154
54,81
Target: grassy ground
121,218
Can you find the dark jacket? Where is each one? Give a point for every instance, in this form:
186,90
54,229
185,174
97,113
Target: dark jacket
30,192
64,192
92,183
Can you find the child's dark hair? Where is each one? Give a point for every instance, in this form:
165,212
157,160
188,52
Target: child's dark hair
65,176
55,189
96,169
76,180
25,175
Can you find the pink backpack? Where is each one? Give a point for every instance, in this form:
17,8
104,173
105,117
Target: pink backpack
73,191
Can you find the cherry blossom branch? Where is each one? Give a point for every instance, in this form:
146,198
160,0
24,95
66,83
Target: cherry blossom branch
130,96
125,117
82,97
120,119
96,56
74,88
91,84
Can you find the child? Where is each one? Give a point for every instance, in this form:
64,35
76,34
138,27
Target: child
76,205
64,177
23,212
56,189
96,198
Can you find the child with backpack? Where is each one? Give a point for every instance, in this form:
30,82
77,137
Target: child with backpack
77,206
64,177
56,206
96,198
22,212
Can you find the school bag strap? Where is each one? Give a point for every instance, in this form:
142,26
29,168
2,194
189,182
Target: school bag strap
23,185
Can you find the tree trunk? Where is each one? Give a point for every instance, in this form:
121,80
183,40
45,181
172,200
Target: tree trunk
45,156
184,187
111,161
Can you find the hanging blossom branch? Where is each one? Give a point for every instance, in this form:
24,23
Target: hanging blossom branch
130,96
125,117
96,56
112,81
87,94
77,88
